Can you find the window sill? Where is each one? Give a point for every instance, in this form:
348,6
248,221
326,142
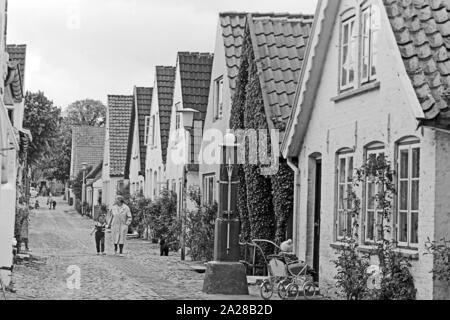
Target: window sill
338,245
355,92
409,253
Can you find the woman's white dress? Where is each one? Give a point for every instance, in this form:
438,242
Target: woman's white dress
121,219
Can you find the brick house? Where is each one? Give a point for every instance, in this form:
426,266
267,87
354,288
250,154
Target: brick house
374,82
118,121
192,81
158,132
137,143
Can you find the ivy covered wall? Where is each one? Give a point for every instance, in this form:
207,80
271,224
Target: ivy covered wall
264,202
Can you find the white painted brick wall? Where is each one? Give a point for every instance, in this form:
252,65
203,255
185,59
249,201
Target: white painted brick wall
383,115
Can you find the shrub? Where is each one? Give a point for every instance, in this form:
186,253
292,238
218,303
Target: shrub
200,228
395,279
162,219
352,276
441,253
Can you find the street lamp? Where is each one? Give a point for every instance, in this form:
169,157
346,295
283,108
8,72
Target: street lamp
83,188
188,124
226,275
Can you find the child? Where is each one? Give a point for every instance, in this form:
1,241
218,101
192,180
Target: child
54,204
100,229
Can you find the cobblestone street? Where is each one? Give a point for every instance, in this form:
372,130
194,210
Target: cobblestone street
61,238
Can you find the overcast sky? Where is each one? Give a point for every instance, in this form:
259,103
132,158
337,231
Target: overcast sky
81,49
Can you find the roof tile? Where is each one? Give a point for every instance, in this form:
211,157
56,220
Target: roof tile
165,84
87,147
143,100
279,43
195,73
120,109
422,32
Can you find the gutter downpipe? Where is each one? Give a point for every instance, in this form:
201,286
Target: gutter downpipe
296,219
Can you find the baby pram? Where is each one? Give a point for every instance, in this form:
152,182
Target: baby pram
287,276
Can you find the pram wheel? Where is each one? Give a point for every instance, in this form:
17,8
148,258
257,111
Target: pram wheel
282,289
293,291
266,290
309,290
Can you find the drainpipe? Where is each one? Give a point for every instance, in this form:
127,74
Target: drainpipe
296,170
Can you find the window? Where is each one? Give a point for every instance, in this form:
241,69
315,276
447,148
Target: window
347,63
11,116
344,188
408,195
374,216
218,98
174,186
153,129
178,116
147,130
208,189
369,34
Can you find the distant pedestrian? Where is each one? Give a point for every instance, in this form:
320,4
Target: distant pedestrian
54,204
50,201
119,222
164,247
100,230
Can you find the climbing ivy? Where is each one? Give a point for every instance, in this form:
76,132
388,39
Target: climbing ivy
264,202
283,199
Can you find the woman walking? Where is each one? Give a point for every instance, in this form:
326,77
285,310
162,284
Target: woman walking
119,222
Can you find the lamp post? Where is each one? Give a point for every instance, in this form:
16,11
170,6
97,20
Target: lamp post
226,275
83,188
188,124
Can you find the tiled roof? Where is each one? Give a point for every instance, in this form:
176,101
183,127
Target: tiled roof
14,84
17,53
422,31
96,172
87,147
233,28
195,72
143,98
279,44
119,108
165,84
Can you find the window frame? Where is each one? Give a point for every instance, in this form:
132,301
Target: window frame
371,36
352,41
377,151
147,130
209,194
409,146
218,98
347,155
177,116
153,129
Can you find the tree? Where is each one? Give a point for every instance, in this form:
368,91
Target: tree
42,118
86,112
59,162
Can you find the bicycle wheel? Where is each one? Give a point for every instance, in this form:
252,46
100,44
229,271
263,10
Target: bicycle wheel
282,289
309,290
266,290
293,290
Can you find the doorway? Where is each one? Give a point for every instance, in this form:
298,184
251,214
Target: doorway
317,216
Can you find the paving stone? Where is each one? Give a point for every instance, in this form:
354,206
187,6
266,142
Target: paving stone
61,238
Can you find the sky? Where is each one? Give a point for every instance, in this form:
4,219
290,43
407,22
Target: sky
79,49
